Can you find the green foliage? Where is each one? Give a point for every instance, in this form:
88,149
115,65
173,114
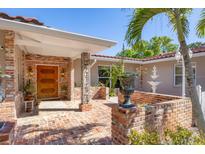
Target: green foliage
144,138
29,88
199,140
181,136
64,88
116,71
154,46
200,29
196,44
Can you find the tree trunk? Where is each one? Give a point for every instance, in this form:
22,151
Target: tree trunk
198,117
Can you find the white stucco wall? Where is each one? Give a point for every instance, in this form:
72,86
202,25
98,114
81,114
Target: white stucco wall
166,76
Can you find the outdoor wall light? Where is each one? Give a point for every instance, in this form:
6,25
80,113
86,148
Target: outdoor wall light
63,72
178,55
2,47
30,71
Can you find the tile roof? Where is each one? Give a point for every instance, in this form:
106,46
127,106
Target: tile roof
20,19
161,56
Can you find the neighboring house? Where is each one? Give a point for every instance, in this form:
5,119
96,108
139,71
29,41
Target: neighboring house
169,70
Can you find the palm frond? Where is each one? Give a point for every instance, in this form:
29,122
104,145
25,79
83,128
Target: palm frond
183,17
138,21
201,25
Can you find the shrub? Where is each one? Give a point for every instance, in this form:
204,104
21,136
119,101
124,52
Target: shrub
181,136
144,138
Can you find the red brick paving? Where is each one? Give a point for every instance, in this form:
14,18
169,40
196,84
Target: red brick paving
67,127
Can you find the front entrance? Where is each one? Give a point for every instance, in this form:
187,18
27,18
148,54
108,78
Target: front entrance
47,82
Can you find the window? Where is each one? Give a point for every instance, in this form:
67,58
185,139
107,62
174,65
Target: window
178,74
104,75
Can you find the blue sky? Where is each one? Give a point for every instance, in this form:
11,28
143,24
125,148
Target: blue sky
106,23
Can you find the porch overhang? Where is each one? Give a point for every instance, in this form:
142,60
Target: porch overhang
53,42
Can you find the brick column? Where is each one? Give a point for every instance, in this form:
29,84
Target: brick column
10,87
85,82
123,120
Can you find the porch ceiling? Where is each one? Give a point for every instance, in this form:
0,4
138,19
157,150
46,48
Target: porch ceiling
48,41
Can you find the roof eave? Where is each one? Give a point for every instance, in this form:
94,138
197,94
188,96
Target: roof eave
19,26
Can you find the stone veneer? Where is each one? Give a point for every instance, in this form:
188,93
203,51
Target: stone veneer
32,60
7,107
156,113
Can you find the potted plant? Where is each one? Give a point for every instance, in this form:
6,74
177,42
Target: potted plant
127,87
64,90
29,90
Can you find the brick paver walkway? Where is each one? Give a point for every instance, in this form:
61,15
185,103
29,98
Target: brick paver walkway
66,126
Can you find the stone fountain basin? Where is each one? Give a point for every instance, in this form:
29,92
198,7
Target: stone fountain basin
154,83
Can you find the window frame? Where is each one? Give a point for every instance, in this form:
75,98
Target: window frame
174,77
104,77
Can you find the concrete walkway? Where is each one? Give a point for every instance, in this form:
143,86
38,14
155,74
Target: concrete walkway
61,122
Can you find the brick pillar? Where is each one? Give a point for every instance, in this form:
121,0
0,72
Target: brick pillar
85,82
123,120
10,87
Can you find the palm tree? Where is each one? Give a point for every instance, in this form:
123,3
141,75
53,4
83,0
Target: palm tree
178,19
201,25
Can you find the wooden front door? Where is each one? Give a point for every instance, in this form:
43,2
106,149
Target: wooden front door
47,81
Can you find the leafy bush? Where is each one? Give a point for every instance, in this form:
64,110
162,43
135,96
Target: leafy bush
29,88
144,138
181,136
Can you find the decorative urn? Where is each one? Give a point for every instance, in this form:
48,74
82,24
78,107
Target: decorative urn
127,87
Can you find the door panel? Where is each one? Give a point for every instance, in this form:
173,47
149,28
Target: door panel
47,81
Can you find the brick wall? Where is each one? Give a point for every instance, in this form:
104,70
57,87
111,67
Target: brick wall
139,97
95,93
166,114
32,60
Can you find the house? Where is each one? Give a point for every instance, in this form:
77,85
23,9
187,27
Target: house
42,58
169,71
64,65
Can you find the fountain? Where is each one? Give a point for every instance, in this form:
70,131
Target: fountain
154,76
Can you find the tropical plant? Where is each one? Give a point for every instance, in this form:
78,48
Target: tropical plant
29,88
116,71
201,25
178,19
196,44
154,46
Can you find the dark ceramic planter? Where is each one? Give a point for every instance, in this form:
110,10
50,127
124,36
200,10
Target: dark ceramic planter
127,87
